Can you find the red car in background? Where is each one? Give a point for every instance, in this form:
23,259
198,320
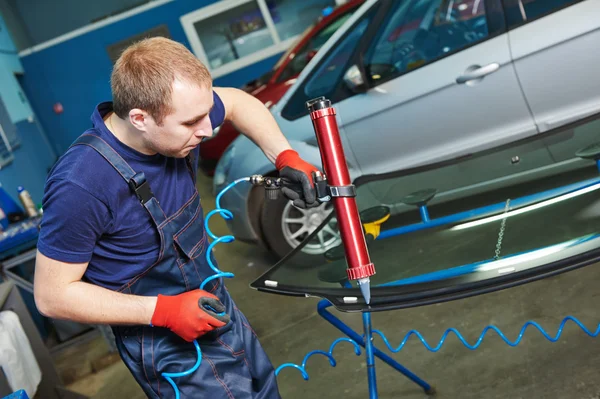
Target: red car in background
272,86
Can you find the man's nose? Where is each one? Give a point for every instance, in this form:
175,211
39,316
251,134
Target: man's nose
200,133
204,130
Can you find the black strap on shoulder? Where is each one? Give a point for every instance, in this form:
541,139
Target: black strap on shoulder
136,181
141,187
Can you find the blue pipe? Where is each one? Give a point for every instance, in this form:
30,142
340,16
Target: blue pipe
424,213
488,209
370,358
340,325
437,275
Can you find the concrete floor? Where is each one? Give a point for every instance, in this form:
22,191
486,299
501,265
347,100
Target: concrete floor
290,327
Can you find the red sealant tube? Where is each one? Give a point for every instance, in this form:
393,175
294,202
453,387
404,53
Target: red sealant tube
335,167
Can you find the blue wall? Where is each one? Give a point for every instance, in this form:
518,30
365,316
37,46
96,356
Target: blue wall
46,20
76,73
33,158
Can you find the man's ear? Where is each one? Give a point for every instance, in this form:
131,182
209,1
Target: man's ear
139,119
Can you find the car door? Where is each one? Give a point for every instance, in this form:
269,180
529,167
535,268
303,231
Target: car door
555,50
442,86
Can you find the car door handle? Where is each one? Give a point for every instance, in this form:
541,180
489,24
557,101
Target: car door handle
476,72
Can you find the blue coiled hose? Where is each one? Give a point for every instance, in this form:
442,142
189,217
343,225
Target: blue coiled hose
514,343
329,355
436,348
227,215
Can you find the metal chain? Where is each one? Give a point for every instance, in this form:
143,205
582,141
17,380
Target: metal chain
501,232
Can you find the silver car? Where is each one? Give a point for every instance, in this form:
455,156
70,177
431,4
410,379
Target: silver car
420,81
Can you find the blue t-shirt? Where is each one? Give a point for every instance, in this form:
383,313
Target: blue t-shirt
91,215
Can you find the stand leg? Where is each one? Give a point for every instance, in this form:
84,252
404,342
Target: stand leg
340,325
424,213
370,358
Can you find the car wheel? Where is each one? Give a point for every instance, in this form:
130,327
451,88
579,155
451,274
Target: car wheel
285,226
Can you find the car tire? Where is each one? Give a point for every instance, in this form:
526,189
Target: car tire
284,227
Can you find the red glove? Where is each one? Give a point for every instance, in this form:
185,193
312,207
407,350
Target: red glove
296,176
190,314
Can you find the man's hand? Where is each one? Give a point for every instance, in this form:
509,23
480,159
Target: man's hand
188,314
254,120
296,176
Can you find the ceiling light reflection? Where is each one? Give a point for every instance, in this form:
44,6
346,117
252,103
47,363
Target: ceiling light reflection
526,208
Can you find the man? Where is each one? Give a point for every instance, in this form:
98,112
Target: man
122,240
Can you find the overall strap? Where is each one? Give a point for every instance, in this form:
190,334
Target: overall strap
136,181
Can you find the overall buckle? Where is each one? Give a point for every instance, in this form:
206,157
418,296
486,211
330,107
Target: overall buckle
141,188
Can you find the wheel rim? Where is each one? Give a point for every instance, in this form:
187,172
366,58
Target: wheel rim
297,224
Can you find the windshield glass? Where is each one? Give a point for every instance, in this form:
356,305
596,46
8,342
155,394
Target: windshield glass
495,215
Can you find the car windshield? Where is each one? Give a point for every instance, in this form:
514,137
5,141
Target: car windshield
495,217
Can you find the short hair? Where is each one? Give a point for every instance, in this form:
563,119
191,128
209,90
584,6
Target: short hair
143,76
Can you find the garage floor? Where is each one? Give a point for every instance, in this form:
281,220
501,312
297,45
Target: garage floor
290,327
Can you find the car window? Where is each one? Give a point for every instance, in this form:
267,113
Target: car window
325,78
520,11
304,55
328,74
418,32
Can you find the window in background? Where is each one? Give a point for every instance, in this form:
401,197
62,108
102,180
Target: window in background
291,17
232,34
305,54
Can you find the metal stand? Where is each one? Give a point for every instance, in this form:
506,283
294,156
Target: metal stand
371,350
